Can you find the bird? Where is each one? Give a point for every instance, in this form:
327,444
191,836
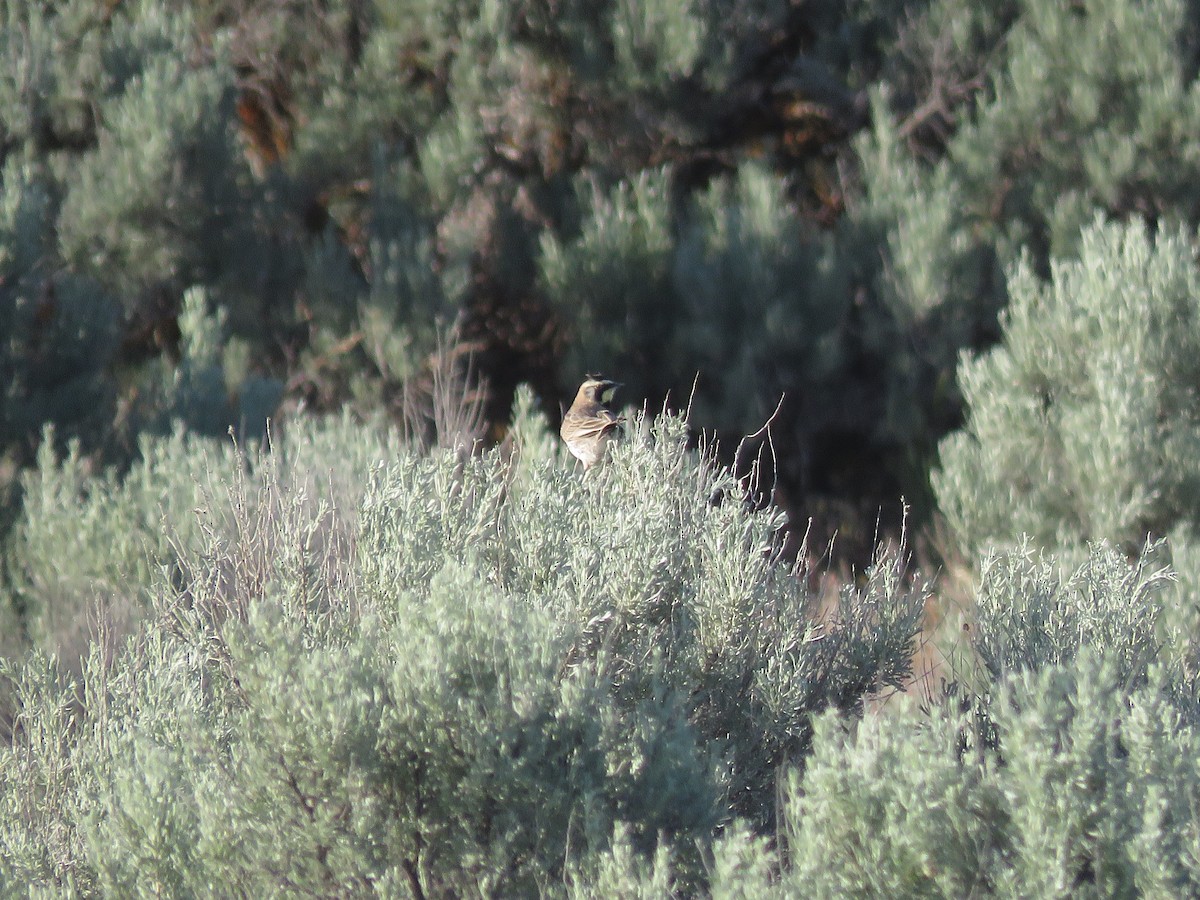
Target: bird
590,424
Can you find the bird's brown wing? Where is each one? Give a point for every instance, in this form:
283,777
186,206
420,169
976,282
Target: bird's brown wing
595,424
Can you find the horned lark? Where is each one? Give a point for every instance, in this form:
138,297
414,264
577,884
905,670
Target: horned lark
590,423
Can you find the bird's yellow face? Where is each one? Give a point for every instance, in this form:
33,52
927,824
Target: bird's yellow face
607,394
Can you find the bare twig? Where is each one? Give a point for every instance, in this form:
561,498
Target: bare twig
739,455
687,416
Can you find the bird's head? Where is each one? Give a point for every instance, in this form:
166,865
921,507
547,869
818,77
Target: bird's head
598,389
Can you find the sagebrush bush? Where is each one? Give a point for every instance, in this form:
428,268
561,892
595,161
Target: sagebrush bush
117,529
490,674
1082,424
429,744
644,562
1029,614
1080,787
126,532
892,808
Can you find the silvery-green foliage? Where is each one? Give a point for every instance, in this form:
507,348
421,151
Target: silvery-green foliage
998,133
1163,747
349,102
1100,784
124,184
401,296
530,437
1080,787
744,865
41,800
939,45
1032,116
938,286
934,268
1179,625
1082,424
361,739
657,42
116,529
892,807
414,287
623,872
446,675
1030,613
51,75
251,510
425,745
653,564
146,779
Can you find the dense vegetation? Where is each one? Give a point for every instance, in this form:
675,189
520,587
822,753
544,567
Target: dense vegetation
300,594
